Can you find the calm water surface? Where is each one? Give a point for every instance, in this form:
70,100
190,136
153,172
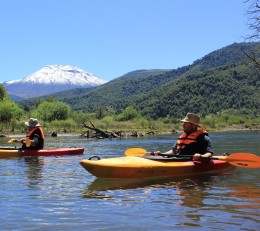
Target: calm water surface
56,193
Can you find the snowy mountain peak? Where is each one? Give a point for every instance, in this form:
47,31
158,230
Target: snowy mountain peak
63,74
52,79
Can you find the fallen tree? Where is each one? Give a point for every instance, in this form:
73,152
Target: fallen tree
95,132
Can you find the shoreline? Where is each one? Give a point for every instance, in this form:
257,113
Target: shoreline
228,129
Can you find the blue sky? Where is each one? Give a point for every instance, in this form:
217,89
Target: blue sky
109,38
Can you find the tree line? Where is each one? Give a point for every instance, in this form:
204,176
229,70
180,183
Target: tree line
60,117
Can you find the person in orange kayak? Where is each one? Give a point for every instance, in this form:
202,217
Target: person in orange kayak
194,140
35,136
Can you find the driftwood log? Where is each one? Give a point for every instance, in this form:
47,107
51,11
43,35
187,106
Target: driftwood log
97,133
94,132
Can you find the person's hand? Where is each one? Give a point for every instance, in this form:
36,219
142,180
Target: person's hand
197,156
14,140
156,153
17,141
200,157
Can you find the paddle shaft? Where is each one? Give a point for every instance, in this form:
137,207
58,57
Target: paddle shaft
237,159
250,161
191,157
245,160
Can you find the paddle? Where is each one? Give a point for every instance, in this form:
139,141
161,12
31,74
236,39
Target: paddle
13,140
245,160
27,141
136,152
142,152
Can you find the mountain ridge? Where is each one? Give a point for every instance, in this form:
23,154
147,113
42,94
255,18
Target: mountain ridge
175,92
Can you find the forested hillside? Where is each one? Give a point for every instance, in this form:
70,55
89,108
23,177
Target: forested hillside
223,79
235,86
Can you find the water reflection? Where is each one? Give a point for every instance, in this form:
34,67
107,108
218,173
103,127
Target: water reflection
249,198
189,194
103,184
100,184
34,170
190,189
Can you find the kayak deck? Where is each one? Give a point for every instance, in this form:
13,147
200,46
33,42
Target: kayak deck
138,167
12,152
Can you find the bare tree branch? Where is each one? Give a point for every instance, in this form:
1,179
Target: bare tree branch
252,58
253,13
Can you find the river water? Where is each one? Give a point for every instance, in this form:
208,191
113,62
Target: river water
56,193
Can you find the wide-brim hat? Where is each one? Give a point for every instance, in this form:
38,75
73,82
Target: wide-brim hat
192,118
32,122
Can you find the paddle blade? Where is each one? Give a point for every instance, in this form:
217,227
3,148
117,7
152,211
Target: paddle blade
136,152
27,142
244,160
11,140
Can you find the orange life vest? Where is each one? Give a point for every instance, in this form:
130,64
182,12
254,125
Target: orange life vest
30,136
184,140
33,130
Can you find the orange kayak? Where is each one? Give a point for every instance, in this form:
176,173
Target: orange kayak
138,167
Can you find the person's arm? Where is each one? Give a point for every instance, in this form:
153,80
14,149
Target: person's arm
208,151
170,152
35,141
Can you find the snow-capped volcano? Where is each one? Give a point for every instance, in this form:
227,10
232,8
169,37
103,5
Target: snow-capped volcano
52,79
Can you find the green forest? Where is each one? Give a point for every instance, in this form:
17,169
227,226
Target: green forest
223,87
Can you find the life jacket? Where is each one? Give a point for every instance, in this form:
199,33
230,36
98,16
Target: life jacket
185,142
30,135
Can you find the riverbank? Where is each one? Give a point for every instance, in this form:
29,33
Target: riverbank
142,133
228,121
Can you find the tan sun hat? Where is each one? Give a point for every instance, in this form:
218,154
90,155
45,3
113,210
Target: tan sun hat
192,118
32,122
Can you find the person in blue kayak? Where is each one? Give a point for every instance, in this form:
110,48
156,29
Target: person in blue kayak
194,140
35,136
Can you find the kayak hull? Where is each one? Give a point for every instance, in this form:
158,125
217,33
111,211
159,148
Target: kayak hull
12,152
139,167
